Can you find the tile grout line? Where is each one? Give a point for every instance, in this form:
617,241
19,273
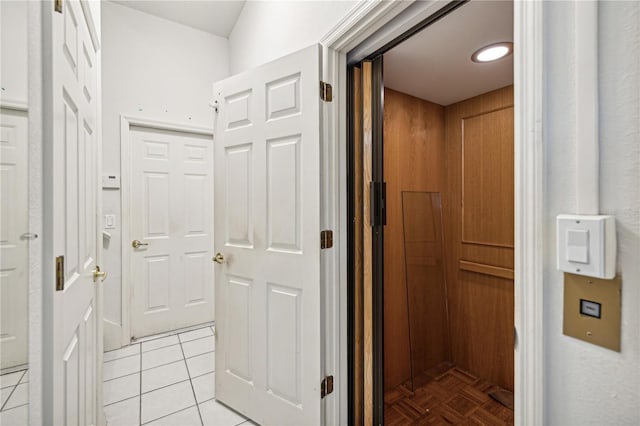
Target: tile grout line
156,366
19,370
13,408
149,391
140,371
169,334
200,375
161,347
8,398
195,398
12,392
171,414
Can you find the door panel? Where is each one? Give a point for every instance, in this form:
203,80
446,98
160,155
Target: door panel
284,340
239,296
70,109
13,248
171,211
283,194
239,200
268,229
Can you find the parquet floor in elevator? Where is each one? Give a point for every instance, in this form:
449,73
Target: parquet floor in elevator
445,395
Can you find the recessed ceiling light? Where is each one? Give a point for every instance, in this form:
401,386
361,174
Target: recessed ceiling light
493,52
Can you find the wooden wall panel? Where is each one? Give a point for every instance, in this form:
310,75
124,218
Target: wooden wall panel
479,244
414,155
487,178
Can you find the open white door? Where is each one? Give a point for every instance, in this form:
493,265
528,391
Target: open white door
72,337
267,233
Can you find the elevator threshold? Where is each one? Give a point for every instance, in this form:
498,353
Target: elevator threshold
446,394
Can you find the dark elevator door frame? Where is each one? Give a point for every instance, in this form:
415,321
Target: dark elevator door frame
378,214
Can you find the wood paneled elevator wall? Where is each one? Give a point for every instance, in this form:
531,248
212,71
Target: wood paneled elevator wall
414,153
464,152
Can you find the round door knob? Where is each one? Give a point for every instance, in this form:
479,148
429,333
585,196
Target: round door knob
218,258
136,244
99,275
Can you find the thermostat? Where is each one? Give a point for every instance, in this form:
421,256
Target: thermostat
110,182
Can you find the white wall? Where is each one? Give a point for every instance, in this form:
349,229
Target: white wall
586,384
156,69
267,30
13,43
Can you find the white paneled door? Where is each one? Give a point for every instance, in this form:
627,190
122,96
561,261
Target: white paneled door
13,239
71,336
171,230
267,233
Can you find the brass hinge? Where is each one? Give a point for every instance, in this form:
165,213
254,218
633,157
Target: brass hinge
57,6
326,387
59,273
326,92
326,239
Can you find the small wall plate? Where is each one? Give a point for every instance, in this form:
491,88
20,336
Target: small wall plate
592,309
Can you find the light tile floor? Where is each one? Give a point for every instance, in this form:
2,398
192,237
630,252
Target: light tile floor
167,379
14,403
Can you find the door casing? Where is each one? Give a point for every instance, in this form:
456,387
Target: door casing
363,32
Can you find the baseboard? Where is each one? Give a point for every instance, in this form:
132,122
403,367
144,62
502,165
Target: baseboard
112,335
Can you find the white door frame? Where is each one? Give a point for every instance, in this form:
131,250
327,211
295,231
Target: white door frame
126,122
359,24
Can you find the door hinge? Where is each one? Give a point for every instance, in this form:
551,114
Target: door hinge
59,273
326,239
326,92
326,387
57,6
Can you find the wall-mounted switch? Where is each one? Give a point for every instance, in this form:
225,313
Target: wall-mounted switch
587,245
109,221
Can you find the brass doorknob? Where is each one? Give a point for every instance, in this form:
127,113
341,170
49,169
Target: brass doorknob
99,274
218,258
136,244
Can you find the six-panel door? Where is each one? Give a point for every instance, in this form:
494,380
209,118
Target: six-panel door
267,192
71,127
172,218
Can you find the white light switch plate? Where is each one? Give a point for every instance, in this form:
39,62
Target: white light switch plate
586,245
109,221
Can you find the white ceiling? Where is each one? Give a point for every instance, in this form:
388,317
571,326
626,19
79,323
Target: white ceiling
436,65
214,16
